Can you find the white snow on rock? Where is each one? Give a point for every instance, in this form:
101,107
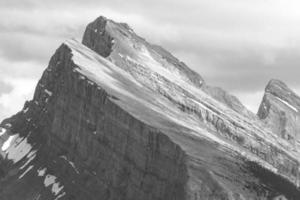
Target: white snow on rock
71,163
56,187
287,104
49,180
98,69
26,171
42,172
48,92
121,55
26,110
16,148
19,150
60,196
2,131
8,142
30,156
90,82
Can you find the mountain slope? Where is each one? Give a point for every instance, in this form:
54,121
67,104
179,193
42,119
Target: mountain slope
118,118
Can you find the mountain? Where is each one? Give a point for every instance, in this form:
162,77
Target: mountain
280,111
115,117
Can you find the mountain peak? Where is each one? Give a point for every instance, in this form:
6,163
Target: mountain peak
102,44
280,90
280,109
118,42
275,86
100,19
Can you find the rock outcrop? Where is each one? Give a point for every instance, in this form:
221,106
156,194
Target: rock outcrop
119,118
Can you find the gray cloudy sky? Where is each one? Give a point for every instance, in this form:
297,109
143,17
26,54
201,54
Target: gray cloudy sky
236,44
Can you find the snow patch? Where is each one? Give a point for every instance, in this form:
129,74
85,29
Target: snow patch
90,82
30,157
287,104
71,163
8,142
48,92
19,150
42,172
60,196
26,110
2,131
56,188
50,180
98,69
26,171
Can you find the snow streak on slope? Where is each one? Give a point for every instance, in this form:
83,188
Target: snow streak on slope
287,104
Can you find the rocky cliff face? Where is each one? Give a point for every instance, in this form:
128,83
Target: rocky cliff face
119,118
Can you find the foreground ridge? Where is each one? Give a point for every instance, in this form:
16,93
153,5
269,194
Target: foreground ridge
115,117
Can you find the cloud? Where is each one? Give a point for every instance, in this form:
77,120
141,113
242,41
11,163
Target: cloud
252,99
12,102
18,80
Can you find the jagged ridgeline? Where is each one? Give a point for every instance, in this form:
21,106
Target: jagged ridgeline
114,117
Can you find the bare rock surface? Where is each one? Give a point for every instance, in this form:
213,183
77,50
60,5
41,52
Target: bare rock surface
115,117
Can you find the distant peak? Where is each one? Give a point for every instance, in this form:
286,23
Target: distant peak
276,83
278,92
276,86
100,20
99,23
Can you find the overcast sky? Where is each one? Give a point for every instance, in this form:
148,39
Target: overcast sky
238,45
